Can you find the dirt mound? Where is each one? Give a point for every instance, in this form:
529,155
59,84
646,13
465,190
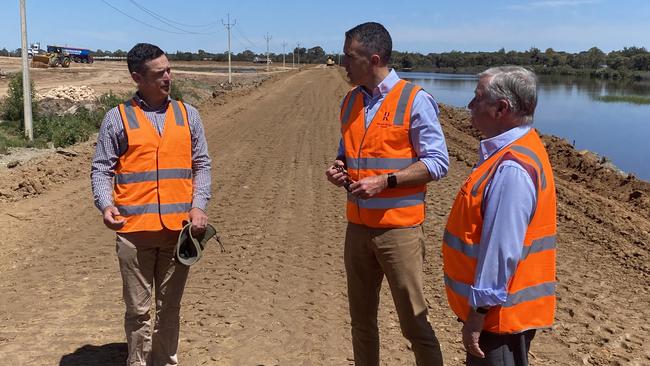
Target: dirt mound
72,93
31,178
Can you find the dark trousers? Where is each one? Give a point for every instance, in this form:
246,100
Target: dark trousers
503,349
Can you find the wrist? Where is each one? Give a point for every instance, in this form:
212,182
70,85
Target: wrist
391,180
481,310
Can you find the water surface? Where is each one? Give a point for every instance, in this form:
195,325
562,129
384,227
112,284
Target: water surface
569,108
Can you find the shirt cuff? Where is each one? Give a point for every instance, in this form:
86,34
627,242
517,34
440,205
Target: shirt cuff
435,170
486,297
101,205
201,203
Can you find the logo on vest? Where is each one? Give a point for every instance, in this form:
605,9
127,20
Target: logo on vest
385,120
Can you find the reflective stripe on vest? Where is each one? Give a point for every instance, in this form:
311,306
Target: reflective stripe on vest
383,147
531,289
153,178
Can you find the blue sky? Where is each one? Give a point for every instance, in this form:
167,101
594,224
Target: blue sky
416,26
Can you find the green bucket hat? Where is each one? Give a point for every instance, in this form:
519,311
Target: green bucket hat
189,247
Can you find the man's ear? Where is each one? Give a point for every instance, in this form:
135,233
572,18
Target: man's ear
136,77
503,107
375,60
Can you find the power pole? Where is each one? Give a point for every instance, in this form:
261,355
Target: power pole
293,59
27,86
284,46
228,26
268,38
298,48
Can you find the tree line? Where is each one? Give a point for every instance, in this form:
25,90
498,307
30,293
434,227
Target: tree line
629,62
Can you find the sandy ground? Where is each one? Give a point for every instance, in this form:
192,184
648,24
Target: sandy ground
277,296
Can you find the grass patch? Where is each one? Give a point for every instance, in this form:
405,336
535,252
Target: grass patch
633,99
59,130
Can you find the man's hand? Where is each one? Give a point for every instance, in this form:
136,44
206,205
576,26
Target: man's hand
369,186
111,220
199,220
336,175
471,332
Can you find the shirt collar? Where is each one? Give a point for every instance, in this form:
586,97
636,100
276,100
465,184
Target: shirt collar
489,146
138,99
385,86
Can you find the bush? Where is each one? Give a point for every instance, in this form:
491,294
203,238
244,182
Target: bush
70,129
176,92
67,129
13,106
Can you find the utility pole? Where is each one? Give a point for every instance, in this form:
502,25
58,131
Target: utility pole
284,46
268,38
293,59
298,48
27,86
339,59
228,26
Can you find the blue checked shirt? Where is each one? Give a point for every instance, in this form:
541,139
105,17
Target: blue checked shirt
112,143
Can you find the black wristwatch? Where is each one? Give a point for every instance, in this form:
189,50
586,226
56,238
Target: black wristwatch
482,310
392,180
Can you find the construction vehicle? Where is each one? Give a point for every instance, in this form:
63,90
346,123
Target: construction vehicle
54,57
34,49
76,54
330,61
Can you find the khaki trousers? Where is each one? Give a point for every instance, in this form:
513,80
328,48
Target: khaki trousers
370,254
147,263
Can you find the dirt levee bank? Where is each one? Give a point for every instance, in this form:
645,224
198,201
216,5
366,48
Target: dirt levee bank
278,295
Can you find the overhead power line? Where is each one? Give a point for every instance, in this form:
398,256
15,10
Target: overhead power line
166,20
139,21
180,30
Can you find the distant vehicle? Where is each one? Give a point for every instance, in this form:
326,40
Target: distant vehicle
34,49
329,62
76,54
54,57
260,60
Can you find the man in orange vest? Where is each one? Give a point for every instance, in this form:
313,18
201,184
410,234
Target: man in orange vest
392,145
499,244
151,172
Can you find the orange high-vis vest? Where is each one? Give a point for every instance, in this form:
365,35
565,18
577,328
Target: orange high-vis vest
530,301
153,179
382,148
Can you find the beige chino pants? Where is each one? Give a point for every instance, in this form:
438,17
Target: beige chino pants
370,254
147,264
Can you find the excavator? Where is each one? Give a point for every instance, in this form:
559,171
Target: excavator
55,57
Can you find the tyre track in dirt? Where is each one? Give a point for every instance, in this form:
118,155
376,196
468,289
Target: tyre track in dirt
278,296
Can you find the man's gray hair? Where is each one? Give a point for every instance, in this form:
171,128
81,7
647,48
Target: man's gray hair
515,84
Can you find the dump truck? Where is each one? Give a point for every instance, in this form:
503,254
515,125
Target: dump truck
76,54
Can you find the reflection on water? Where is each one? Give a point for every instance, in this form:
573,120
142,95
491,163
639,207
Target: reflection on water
569,108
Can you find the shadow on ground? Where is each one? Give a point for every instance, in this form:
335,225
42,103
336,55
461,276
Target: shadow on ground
111,354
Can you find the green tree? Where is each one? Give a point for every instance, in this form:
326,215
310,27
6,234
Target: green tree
13,109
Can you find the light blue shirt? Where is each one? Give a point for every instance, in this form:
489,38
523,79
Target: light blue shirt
509,198
425,131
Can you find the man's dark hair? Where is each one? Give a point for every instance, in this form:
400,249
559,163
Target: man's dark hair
141,53
374,37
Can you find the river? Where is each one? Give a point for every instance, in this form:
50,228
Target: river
570,108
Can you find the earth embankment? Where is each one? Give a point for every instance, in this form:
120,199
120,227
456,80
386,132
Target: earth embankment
278,296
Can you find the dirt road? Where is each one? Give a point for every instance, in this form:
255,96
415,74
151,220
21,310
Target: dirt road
278,297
